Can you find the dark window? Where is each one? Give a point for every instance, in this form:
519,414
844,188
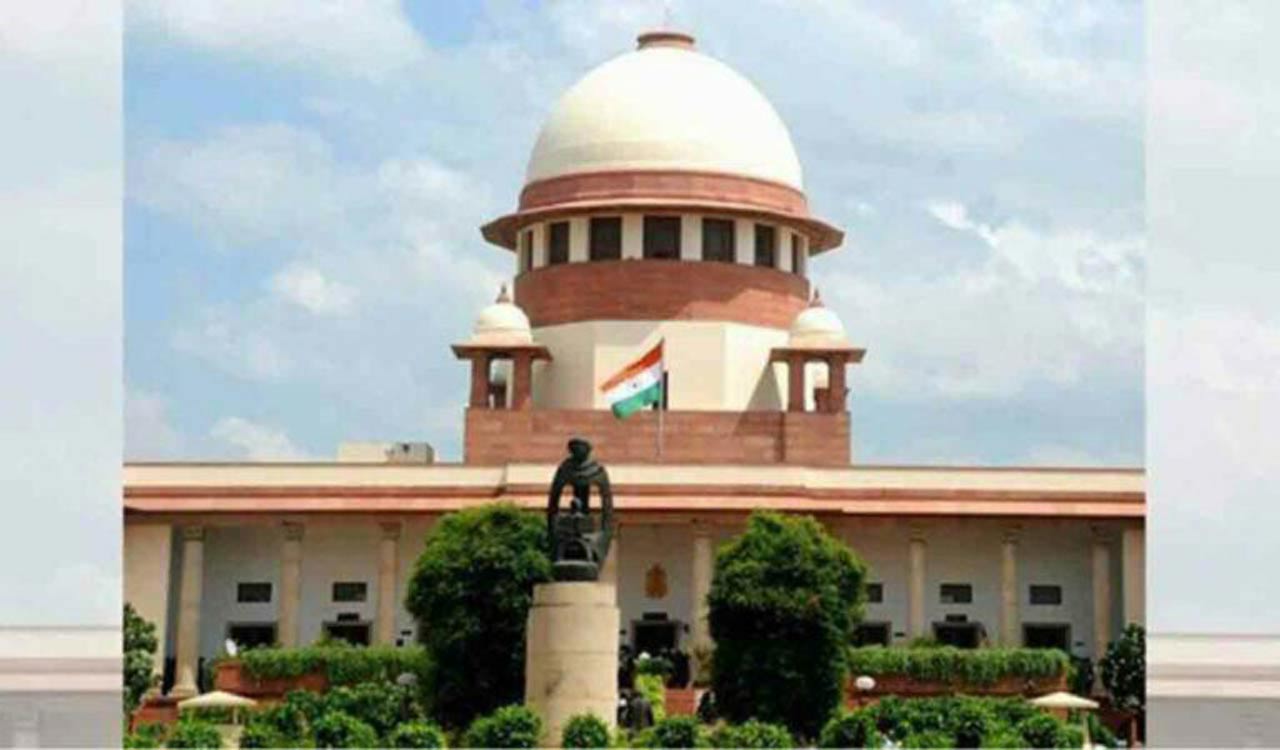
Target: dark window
662,237
251,634
1047,636
766,245
558,243
654,636
350,591
355,633
956,593
875,593
1045,594
526,250
958,634
718,240
797,255
606,238
872,634
253,592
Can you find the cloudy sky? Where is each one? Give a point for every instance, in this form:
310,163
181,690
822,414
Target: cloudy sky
305,182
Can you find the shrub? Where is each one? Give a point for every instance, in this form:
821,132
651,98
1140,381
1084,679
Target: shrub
473,587
188,733
261,734
851,729
1004,738
416,734
949,664
139,657
1100,733
342,663
1041,730
752,734
509,726
381,705
286,721
585,730
929,739
338,729
676,732
966,721
784,601
653,688
971,721
145,736
658,665
1124,669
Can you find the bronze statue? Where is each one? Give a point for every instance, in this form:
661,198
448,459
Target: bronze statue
578,550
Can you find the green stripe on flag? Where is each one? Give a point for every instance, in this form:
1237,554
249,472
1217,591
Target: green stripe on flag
624,408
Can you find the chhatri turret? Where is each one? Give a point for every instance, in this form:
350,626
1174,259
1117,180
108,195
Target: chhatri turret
664,201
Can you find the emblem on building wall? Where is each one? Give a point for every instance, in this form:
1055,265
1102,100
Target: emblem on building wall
655,582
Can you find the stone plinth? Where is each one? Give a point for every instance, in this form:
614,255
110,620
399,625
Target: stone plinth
571,657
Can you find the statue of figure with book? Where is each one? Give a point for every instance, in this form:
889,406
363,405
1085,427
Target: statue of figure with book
578,546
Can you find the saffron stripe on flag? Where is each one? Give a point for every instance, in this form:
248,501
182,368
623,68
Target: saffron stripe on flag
640,365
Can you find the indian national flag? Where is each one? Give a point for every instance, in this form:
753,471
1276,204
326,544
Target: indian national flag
635,386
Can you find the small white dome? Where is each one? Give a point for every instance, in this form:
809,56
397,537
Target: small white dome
817,326
502,323
665,106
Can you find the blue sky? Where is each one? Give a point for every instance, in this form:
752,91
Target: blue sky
304,184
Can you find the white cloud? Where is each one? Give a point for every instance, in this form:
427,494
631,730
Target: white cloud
149,434
247,353
309,289
368,38
256,442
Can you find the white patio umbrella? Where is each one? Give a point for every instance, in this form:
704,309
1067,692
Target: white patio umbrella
218,699
1067,701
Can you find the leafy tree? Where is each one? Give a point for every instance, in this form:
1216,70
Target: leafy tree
472,589
508,727
585,730
784,602
139,657
1124,669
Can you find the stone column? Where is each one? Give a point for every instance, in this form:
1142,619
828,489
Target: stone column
703,568
836,389
290,584
388,565
1101,593
916,626
187,645
522,379
480,380
1134,544
1009,620
795,383
609,568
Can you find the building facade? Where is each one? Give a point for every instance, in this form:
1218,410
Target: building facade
663,202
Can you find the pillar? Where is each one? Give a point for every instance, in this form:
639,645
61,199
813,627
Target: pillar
835,384
1135,576
522,379
388,564
703,565
916,627
290,585
795,383
1009,620
187,646
147,549
480,380
609,568
1101,594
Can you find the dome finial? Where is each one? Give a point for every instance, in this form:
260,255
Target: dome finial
504,295
816,301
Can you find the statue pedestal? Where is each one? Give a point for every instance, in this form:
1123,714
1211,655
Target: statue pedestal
571,656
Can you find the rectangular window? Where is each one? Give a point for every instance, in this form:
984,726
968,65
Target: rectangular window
718,240
960,635
253,593
355,633
252,634
662,237
606,238
350,591
1035,635
875,593
558,243
1046,595
766,245
956,593
872,634
797,254
526,251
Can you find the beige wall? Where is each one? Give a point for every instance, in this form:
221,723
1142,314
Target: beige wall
712,365
147,547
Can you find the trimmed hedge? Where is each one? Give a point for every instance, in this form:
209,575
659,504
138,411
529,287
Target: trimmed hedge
752,734
341,663
338,729
416,734
585,731
509,727
189,733
950,721
976,667
676,732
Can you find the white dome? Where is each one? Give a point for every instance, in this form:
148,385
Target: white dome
501,323
817,326
665,106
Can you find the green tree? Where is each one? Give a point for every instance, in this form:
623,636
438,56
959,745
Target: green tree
784,602
1124,669
139,657
472,589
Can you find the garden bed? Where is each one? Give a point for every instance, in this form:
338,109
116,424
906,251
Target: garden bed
234,677
923,672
